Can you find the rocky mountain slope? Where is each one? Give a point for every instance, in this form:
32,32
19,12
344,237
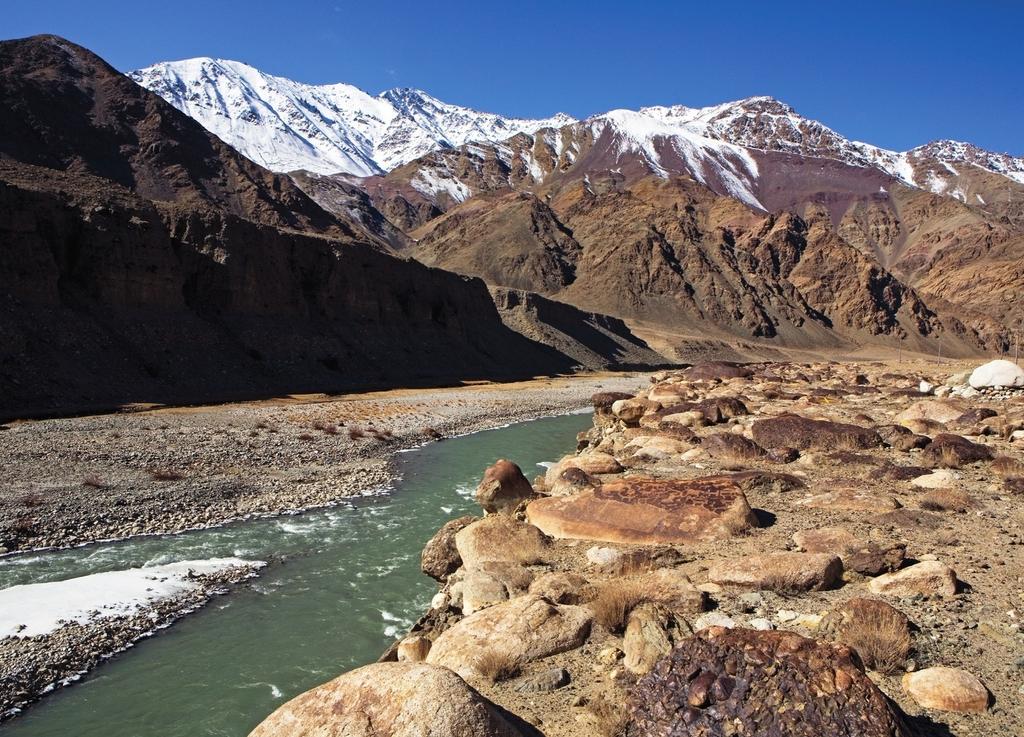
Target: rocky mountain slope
285,125
146,260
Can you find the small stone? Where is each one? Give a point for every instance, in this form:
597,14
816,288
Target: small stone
760,623
551,679
413,649
713,619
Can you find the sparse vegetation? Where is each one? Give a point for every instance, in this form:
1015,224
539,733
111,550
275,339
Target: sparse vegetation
165,474
93,481
32,499
615,600
880,637
326,428
949,457
1007,467
305,437
496,665
610,718
356,433
947,500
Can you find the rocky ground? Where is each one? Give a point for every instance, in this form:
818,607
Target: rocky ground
81,479
32,666
765,549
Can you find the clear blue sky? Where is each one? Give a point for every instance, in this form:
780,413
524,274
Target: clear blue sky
897,73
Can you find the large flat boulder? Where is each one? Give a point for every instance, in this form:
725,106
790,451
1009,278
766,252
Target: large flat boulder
389,700
747,682
803,433
929,578
779,571
523,629
638,509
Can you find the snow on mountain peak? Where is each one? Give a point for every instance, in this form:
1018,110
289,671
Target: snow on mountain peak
286,125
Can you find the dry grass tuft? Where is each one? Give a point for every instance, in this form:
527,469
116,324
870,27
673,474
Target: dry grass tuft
614,601
305,437
32,499
949,457
356,433
947,500
881,638
166,474
1007,467
610,718
326,428
496,665
93,481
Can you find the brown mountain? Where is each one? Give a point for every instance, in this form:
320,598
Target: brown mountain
799,245
142,259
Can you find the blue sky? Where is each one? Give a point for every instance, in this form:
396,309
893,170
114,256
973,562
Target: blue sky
897,73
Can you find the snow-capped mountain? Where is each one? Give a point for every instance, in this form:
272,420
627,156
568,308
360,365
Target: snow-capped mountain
743,149
336,128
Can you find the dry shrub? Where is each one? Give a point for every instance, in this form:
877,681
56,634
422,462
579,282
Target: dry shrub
1006,467
614,601
356,433
24,525
385,435
326,428
261,425
93,481
166,474
496,665
1014,484
949,457
881,638
947,500
32,499
610,718
305,437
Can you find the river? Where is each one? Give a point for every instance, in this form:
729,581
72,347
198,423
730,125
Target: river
341,584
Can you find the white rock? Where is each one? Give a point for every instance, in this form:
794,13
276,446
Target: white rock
713,619
1017,436
926,387
603,556
943,391
940,479
997,374
760,623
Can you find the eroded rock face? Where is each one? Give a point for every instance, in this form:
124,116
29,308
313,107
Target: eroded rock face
389,700
727,446
440,558
639,509
523,629
802,433
503,488
719,370
748,682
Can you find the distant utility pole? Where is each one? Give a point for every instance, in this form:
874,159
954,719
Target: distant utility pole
940,349
899,350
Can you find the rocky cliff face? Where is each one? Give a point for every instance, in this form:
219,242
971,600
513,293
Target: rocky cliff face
144,260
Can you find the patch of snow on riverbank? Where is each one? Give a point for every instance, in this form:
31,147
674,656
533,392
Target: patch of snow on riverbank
38,609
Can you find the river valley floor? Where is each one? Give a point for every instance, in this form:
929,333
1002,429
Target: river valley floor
77,480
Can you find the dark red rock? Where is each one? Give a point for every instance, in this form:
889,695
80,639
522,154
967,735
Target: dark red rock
946,447
772,684
440,558
717,370
725,446
806,434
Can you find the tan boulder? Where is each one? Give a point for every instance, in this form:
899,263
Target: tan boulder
597,463
499,538
572,480
646,638
929,577
939,479
413,649
639,509
561,587
523,629
503,488
857,555
779,571
656,447
934,410
629,411
389,700
947,689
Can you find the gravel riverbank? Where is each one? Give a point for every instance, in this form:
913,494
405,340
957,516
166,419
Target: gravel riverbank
77,480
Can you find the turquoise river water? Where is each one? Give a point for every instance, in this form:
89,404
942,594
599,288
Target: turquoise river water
341,584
